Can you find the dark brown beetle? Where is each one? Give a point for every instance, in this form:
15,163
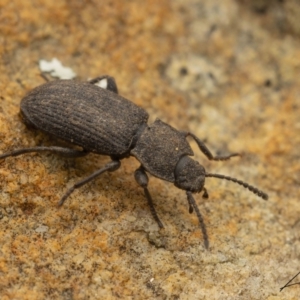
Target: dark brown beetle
92,115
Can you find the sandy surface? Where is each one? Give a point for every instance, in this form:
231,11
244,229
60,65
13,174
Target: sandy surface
228,71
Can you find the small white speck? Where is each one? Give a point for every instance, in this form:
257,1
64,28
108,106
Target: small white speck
151,280
102,83
56,69
42,229
131,218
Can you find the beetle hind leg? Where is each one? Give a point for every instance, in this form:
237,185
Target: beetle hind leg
142,179
109,167
68,152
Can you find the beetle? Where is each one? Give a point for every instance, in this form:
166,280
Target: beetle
95,117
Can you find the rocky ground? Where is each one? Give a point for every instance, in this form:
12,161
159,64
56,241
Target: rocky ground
228,71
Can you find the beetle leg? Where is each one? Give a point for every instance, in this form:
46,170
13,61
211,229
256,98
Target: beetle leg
193,205
142,179
191,209
109,167
59,150
206,151
205,196
105,82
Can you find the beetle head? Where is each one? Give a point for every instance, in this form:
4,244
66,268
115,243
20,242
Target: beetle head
189,175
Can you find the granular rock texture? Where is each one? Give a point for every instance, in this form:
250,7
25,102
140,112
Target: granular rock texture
227,71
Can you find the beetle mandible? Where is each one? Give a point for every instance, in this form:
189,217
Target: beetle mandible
94,116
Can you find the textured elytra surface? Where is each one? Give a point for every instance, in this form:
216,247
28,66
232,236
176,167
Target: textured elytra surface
84,114
159,149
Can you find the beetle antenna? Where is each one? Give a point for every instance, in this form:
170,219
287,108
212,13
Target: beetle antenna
242,183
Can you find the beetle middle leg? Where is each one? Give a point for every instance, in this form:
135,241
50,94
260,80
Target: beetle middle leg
109,167
142,179
206,151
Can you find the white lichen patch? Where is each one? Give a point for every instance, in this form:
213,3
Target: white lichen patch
56,69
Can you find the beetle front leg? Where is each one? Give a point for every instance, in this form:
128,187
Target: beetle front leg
142,179
193,205
206,151
109,167
105,82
